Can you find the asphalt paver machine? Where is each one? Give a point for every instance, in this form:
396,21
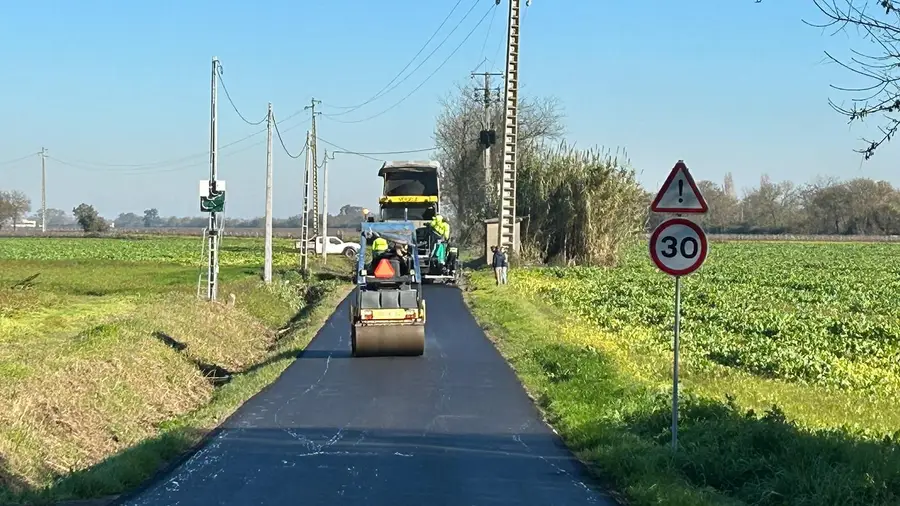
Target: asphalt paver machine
388,311
411,193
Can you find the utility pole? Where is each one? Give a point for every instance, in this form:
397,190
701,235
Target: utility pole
267,269
304,227
213,227
43,189
325,207
507,223
315,167
488,136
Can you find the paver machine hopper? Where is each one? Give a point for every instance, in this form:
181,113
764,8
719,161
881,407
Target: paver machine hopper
388,311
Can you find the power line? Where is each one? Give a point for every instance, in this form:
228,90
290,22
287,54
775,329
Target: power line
382,92
281,140
365,154
164,163
21,158
407,151
230,101
435,71
131,171
488,34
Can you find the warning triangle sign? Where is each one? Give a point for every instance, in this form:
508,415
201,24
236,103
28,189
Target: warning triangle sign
679,194
384,269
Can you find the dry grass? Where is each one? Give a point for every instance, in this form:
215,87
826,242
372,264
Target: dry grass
97,359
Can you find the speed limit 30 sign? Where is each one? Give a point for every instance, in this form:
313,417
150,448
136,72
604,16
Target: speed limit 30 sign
678,246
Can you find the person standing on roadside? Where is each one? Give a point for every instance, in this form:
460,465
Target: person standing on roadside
497,263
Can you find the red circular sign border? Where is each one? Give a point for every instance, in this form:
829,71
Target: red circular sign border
704,247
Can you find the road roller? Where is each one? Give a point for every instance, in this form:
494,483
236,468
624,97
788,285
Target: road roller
388,310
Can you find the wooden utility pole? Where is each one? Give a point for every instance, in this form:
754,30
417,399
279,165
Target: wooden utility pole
267,269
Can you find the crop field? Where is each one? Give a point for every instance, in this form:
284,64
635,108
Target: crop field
790,370
182,251
110,365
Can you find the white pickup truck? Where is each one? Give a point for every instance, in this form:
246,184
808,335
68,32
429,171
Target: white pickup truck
334,246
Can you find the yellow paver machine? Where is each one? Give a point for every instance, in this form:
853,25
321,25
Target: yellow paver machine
412,193
388,313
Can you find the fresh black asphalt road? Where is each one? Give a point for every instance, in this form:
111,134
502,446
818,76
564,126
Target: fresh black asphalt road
453,427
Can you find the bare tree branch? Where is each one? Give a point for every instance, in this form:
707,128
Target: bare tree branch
878,22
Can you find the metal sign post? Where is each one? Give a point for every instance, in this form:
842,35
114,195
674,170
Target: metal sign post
678,247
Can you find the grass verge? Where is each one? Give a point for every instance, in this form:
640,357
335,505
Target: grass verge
611,407
112,369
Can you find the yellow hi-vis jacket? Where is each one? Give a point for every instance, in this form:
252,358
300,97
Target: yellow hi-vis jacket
440,227
379,245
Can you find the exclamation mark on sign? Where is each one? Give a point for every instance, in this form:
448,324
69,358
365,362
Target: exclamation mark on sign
680,191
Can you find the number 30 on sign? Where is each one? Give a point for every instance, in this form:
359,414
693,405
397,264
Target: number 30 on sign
678,246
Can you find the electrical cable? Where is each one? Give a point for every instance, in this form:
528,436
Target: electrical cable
163,163
219,72
382,92
365,154
417,67
281,140
21,158
131,171
488,34
435,71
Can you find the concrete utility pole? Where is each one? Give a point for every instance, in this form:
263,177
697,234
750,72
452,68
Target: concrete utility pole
304,227
507,222
325,207
267,269
488,135
315,158
213,227
43,189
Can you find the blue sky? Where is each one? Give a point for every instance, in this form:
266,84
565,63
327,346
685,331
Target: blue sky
725,85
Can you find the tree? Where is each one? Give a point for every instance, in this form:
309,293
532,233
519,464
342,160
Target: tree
724,209
13,206
728,186
89,219
348,210
581,206
151,217
128,220
468,197
58,217
879,25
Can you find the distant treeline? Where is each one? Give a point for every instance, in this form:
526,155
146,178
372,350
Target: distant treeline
345,233
350,234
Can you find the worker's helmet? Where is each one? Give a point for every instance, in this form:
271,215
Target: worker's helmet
438,218
379,244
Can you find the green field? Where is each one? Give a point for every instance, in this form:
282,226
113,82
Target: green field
110,365
790,371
